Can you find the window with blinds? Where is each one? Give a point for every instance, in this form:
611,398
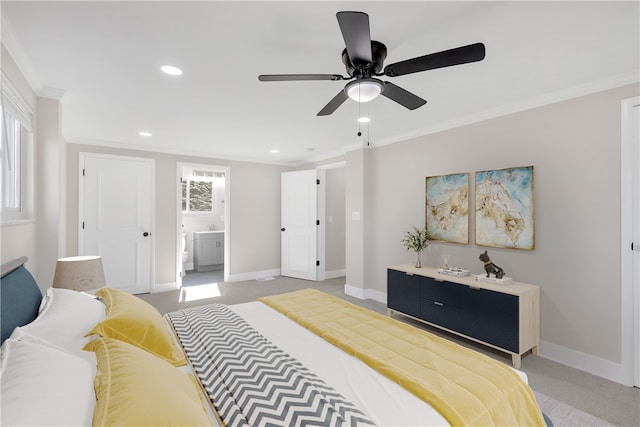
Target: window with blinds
16,156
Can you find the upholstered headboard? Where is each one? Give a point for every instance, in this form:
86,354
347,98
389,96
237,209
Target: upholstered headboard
20,296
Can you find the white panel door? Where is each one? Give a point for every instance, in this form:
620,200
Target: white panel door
116,218
299,225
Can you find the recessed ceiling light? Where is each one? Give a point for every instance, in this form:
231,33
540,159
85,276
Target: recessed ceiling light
275,151
364,119
171,70
144,133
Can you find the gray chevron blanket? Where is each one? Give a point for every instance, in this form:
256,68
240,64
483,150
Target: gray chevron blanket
250,381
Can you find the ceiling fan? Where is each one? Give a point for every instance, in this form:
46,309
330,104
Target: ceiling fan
363,60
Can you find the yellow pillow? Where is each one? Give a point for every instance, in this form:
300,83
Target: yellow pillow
135,388
136,322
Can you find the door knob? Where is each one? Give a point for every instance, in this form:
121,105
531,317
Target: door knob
282,229
145,234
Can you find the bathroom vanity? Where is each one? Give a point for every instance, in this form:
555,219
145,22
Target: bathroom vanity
208,250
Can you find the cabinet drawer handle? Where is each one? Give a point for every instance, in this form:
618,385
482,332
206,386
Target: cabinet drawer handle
439,304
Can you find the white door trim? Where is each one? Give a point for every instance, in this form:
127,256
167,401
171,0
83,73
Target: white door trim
82,156
630,232
227,215
322,228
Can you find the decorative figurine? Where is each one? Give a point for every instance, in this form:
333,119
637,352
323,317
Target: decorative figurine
490,267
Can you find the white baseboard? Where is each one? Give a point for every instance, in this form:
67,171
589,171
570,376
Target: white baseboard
253,275
335,273
360,293
276,272
164,287
585,362
566,356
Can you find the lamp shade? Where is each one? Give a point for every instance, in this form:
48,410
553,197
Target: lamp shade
80,273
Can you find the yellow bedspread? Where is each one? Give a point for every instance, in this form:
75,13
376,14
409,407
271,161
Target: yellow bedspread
466,387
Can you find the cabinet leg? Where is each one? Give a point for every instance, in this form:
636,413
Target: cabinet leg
515,360
535,351
389,312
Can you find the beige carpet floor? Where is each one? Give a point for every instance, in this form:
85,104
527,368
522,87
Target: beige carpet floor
563,415
569,397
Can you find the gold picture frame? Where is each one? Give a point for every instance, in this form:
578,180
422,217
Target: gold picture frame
447,207
505,208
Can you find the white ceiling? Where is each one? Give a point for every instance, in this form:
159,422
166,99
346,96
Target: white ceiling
105,58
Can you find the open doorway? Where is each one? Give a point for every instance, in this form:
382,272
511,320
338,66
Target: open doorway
333,219
203,224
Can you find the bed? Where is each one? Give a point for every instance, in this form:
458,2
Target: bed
70,358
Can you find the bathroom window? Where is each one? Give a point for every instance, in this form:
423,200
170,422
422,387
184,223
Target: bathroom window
197,196
16,156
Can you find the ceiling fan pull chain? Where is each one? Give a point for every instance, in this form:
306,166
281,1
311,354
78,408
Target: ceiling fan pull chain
368,122
359,116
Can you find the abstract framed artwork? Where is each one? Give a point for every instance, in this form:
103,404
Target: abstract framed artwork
504,208
447,207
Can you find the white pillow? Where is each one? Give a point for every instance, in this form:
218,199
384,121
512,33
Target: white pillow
63,322
41,385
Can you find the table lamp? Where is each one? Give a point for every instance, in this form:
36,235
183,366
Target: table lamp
80,273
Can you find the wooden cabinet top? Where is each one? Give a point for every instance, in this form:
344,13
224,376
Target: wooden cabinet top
513,288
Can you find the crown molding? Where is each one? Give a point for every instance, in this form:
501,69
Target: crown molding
24,64
577,91
172,151
51,93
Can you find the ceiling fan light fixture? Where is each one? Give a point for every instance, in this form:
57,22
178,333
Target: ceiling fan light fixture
364,90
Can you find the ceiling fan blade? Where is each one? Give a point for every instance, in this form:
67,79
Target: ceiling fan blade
446,58
296,77
402,96
333,105
357,38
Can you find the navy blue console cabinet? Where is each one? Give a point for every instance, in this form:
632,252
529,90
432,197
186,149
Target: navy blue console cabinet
502,316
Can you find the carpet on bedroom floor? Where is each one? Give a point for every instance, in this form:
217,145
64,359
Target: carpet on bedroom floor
563,415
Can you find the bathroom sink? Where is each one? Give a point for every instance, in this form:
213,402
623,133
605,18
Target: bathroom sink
201,234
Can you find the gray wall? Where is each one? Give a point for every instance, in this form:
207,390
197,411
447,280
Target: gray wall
355,235
51,208
255,210
575,149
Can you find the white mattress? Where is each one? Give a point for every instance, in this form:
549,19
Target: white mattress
386,403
